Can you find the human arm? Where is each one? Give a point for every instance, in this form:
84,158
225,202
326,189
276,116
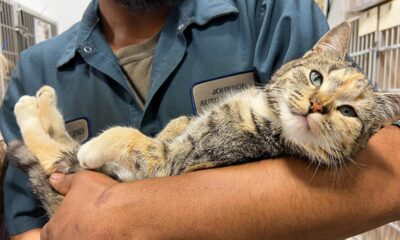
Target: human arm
277,199
33,234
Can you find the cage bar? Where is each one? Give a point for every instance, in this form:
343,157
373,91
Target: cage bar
17,32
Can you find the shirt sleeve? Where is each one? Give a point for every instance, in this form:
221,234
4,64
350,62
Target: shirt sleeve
286,30
22,210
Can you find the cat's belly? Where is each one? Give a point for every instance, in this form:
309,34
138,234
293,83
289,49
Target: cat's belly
241,128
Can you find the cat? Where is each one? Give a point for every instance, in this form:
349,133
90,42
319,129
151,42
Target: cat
320,107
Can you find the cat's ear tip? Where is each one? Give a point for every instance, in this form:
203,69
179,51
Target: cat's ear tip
344,26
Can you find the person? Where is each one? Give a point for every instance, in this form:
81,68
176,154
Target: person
140,63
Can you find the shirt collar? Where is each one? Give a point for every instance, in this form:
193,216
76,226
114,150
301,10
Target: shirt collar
192,11
87,25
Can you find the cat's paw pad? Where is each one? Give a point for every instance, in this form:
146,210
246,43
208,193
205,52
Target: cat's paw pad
90,156
25,107
46,95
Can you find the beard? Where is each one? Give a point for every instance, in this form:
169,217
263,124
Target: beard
146,5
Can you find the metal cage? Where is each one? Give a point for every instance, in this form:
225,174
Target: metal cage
20,28
377,52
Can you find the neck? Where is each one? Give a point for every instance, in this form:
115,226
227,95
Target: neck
123,27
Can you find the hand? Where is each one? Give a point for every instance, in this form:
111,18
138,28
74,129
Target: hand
84,193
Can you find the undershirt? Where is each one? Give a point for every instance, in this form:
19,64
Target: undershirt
136,61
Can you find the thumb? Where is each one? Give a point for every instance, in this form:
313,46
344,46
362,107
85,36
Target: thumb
61,182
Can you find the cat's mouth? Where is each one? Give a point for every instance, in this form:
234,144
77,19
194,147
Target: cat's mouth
298,123
302,119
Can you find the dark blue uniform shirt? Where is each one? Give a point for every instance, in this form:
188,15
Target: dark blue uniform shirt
203,41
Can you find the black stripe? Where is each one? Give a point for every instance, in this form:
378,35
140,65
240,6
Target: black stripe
211,122
298,93
238,112
192,142
255,122
165,150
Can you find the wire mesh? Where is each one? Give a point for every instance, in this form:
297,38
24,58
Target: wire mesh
362,50
18,32
378,54
27,29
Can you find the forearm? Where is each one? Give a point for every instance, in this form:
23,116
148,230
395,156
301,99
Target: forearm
33,234
258,200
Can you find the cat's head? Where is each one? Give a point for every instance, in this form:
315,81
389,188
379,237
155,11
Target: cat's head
326,106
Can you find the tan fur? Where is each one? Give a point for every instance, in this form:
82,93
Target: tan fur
116,143
174,128
352,78
39,142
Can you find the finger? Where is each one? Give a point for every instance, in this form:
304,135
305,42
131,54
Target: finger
61,182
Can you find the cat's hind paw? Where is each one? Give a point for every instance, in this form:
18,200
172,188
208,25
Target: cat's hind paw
25,108
46,95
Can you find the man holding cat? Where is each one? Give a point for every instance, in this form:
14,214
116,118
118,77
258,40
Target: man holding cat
98,69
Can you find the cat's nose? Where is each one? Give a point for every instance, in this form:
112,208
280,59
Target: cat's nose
316,106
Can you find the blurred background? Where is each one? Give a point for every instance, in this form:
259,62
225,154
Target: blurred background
375,46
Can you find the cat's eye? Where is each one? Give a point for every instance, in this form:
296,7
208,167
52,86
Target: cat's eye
347,111
316,78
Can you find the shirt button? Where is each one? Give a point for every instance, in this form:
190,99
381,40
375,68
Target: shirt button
88,49
181,27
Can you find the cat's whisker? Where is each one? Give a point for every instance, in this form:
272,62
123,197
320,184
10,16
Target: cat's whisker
315,172
357,164
311,163
345,165
335,172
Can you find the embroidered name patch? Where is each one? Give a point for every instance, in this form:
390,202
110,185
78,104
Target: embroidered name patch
212,91
78,129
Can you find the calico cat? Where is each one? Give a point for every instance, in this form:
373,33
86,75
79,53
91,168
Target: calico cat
319,107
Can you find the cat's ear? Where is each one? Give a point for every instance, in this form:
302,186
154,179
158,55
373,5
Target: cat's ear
388,107
336,41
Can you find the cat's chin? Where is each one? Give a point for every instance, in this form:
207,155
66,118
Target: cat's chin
299,129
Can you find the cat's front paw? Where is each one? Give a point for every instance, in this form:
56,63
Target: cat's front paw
114,144
91,155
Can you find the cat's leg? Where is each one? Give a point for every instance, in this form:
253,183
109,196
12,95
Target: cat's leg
174,128
51,118
35,137
128,154
115,144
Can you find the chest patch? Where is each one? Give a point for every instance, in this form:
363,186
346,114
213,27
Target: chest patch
78,129
212,91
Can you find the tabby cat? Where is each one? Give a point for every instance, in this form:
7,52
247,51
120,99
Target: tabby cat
320,107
